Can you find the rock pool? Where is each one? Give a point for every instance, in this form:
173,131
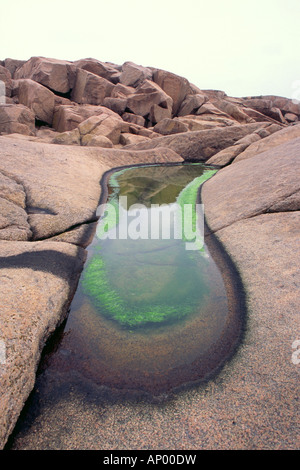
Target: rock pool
149,316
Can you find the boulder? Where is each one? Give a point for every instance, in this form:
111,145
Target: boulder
191,104
103,125
272,106
3,98
127,139
133,74
38,98
215,94
110,127
118,105
102,69
158,113
257,116
88,125
147,95
122,91
5,77
13,64
267,182
173,85
232,110
290,117
226,156
133,118
68,117
90,88
16,118
209,108
67,138
170,126
285,105
58,75
203,122
200,145
140,130
275,139
96,141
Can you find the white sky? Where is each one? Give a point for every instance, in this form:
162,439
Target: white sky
243,47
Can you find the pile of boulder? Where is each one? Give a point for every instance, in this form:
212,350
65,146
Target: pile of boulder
94,103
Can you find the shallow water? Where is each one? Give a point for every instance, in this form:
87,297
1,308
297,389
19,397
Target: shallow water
149,316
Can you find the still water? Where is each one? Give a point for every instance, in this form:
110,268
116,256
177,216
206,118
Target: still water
149,316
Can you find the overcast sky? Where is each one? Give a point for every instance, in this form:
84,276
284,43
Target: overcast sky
243,47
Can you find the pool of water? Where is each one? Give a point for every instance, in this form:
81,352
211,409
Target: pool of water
149,316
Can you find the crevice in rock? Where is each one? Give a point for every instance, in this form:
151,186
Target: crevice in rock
39,123
68,230
257,214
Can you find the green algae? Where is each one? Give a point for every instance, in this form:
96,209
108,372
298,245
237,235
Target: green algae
96,284
188,196
138,283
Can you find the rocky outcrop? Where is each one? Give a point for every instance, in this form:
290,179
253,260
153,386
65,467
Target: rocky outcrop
253,207
201,145
262,184
44,277
66,123
279,138
140,95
